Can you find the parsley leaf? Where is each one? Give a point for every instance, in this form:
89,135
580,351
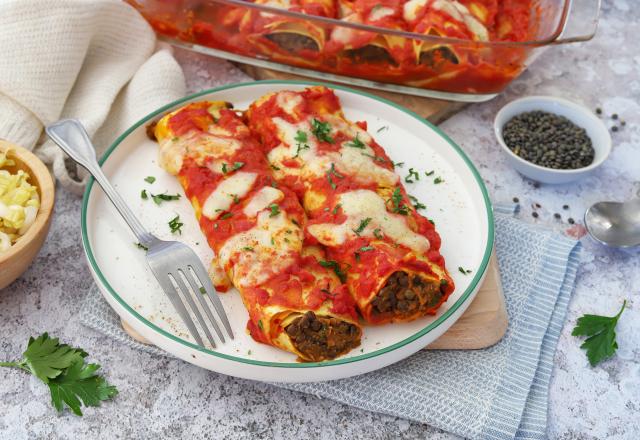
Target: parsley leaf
376,158
149,179
237,165
601,335
463,271
224,168
376,233
141,246
321,130
159,198
429,173
63,369
411,176
384,127
301,139
226,216
396,200
363,224
366,248
143,194
438,180
275,209
332,171
332,264
273,167
416,203
79,382
356,143
334,211
247,248
175,225
397,164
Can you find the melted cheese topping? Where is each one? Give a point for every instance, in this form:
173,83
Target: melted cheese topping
262,199
359,205
380,13
411,8
460,12
221,198
288,101
197,145
262,251
356,162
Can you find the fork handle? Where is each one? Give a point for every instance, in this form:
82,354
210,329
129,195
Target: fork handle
71,136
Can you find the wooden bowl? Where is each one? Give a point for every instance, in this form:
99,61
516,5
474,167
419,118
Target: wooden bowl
19,256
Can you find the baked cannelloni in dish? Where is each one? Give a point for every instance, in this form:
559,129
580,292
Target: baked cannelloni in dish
255,227
376,242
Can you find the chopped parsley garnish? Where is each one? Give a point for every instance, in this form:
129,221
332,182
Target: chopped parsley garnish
429,173
363,224
275,209
398,206
295,222
601,335
366,248
260,324
332,264
397,164
273,167
143,194
432,222
175,225
141,246
175,138
203,290
321,130
376,233
332,172
237,165
274,184
356,143
335,208
273,242
376,158
226,216
235,198
444,282
224,168
301,142
413,174
416,203
384,127
159,198
463,271
149,179
438,180
247,248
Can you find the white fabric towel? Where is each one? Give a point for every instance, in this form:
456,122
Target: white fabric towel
92,60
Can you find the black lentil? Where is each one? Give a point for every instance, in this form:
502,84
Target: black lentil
599,111
614,116
516,200
571,221
565,206
614,128
557,215
623,123
537,205
536,184
534,214
548,140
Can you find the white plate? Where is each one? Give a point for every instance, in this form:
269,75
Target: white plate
459,206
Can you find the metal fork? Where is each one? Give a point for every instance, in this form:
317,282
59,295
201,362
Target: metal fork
174,264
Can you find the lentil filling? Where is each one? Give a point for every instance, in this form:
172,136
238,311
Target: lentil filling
403,295
319,337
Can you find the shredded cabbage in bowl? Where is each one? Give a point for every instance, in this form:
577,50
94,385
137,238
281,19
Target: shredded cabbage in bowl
19,203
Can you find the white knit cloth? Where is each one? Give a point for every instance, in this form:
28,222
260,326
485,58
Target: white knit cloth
92,60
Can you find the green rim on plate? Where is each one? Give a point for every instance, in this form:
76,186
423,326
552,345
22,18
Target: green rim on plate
424,331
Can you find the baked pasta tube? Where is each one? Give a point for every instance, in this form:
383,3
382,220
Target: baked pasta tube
255,228
387,253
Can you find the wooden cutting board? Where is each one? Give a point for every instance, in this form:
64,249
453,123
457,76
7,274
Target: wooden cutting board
485,321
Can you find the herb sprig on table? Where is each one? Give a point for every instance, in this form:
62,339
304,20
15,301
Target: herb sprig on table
601,335
71,381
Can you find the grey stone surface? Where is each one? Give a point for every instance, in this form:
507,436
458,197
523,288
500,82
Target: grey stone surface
162,398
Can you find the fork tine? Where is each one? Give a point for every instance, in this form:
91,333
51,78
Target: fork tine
193,306
203,302
170,291
204,279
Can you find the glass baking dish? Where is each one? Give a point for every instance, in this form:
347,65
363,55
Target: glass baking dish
439,61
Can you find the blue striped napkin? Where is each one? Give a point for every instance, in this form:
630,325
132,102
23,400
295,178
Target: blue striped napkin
497,393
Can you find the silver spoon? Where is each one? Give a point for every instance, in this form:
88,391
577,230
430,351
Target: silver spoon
615,224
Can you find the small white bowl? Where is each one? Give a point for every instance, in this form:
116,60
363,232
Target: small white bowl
578,114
